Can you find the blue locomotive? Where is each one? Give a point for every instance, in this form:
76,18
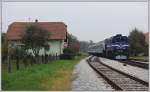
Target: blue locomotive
116,47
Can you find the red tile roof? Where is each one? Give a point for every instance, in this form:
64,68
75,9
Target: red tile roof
58,30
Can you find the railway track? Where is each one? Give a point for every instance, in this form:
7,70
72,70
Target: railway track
137,64
117,79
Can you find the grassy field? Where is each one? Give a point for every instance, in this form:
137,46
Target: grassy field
56,75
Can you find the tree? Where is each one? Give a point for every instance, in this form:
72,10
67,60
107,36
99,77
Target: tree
9,56
3,37
72,49
4,47
146,52
84,46
46,48
91,42
71,39
4,51
19,53
35,39
73,43
136,42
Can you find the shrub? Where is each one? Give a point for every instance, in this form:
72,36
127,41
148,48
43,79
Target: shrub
67,54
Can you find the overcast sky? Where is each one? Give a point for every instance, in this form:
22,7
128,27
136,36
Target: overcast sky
86,20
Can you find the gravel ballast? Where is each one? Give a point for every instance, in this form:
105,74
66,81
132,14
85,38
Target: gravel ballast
132,70
86,79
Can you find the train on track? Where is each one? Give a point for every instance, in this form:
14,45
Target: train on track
115,47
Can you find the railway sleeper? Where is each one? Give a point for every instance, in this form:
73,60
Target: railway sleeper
132,77
115,83
135,89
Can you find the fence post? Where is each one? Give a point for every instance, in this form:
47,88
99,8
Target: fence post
56,56
17,62
46,59
9,64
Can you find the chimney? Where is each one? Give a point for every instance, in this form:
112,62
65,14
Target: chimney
36,20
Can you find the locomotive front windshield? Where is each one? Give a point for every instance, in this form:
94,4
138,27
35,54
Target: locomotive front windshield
120,39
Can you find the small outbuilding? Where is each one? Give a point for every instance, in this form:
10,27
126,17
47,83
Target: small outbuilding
57,39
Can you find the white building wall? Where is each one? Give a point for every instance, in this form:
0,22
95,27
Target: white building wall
56,46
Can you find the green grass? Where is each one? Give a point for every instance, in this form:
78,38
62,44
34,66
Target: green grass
56,75
141,58
13,66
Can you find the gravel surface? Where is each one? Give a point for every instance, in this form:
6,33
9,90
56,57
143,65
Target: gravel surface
86,79
134,71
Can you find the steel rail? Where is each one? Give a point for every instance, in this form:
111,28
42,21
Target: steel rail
116,87
113,84
137,64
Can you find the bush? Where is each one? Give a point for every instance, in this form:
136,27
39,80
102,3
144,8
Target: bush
68,54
